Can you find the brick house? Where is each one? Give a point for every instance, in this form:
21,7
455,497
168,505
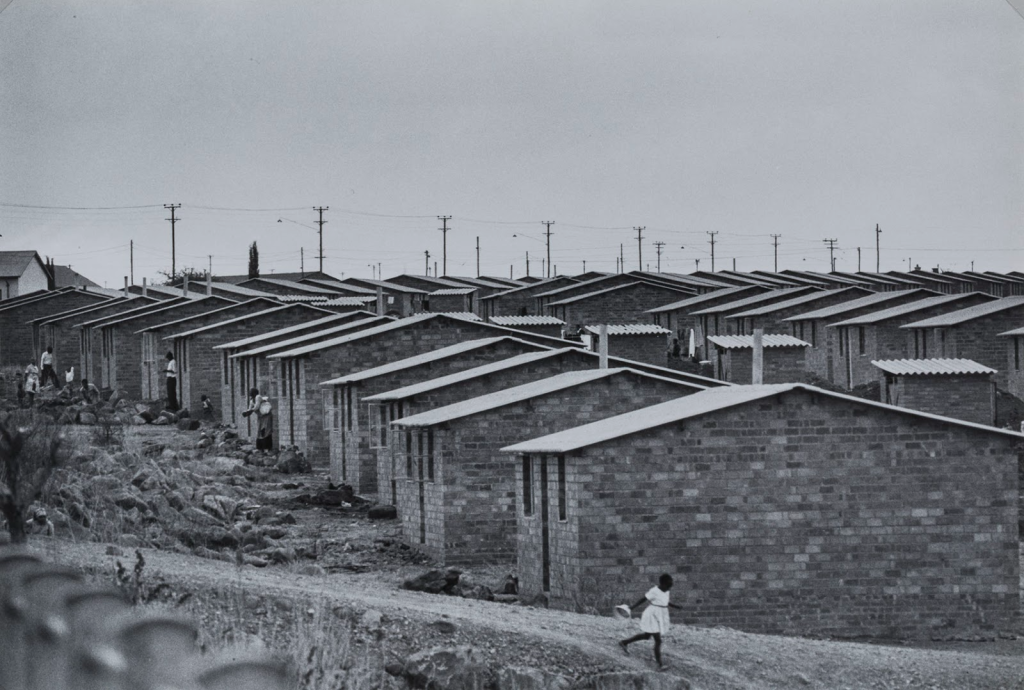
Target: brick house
641,342
697,285
1014,369
676,316
276,286
457,299
877,335
59,332
968,333
229,393
810,325
520,301
121,357
353,449
425,283
456,490
202,369
712,319
621,304
958,388
783,358
22,273
484,286
931,281
400,300
90,338
603,282
17,315
250,368
542,325
300,412
782,509
153,363
770,318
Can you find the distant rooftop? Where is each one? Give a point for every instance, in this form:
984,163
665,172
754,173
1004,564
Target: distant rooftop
903,310
630,329
325,321
931,367
955,318
795,302
740,342
701,299
514,321
859,303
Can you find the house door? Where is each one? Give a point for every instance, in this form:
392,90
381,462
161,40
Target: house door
545,525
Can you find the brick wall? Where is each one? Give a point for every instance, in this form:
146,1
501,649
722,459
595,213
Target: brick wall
16,346
468,512
652,349
774,321
522,302
582,288
353,449
627,305
781,365
66,340
971,398
977,339
793,516
1014,366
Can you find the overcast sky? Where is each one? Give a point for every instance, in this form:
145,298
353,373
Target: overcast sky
808,119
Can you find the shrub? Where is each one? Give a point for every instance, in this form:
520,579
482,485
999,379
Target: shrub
30,449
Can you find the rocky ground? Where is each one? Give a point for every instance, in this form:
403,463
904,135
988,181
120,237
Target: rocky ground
264,552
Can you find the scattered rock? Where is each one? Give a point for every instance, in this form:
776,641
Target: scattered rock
292,462
523,678
189,425
282,555
444,627
506,598
161,421
648,680
372,619
434,581
382,513
456,668
86,418
127,501
114,551
312,569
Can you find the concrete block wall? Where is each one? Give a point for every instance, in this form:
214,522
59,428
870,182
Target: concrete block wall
977,339
521,302
853,363
452,303
628,305
652,349
16,337
781,365
570,290
353,451
1014,366
468,516
794,516
971,398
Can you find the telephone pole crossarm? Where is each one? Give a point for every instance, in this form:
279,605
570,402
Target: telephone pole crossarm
320,210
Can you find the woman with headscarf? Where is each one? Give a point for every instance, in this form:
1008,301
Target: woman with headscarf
261,407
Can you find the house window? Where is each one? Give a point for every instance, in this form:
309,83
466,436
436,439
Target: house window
226,364
860,339
561,488
527,486
801,330
335,413
430,455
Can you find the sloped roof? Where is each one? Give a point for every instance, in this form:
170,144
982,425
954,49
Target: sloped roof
299,288
227,307
229,287
754,299
168,307
573,286
467,315
510,396
285,275
324,321
903,310
538,284
147,308
337,287
14,263
588,295
298,340
630,329
82,311
240,319
1015,331
698,405
795,302
931,367
740,342
955,318
453,291
701,299
425,358
478,282
514,321
385,285
859,303
65,276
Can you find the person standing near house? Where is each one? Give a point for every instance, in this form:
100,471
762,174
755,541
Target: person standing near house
46,365
172,382
89,392
654,622
261,407
31,383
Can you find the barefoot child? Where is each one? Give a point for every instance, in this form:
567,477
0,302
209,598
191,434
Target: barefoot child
654,622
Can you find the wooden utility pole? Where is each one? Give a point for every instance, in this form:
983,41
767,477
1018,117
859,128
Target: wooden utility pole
712,233
775,242
547,234
640,247
622,259
173,220
320,210
131,259
444,244
831,252
478,256
878,249
426,263
657,247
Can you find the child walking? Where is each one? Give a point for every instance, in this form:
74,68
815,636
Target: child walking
654,622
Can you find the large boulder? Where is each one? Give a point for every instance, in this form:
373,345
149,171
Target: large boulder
86,418
116,397
382,513
452,668
434,581
189,425
292,462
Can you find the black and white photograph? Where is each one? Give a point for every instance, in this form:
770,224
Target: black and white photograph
511,345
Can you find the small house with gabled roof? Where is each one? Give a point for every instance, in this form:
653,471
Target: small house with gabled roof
455,490
400,300
713,318
201,368
819,357
780,509
22,273
1014,368
970,333
542,325
456,299
627,303
521,301
16,316
877,335
958,388
676,316
770,317
783,358
639,342
357,430
277,286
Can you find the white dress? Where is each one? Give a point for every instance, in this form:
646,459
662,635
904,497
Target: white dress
655,618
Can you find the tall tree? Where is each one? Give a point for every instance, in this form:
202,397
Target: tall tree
254,261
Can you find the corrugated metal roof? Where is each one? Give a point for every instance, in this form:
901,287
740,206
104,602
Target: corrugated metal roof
795,302
237,319
931,367
355,301
587,295
513,321
630,329
338,288
859,303
955,318
268,302
230,287
466,375
510,396
210,302
697,405
418,360
298,341
755,299
903,310
701,299
325,321
535,285
467,315
453,291
740,342
1015,331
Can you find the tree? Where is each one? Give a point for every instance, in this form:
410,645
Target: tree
174,279
28,456
254,261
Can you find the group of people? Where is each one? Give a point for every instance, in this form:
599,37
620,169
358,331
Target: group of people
36,378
